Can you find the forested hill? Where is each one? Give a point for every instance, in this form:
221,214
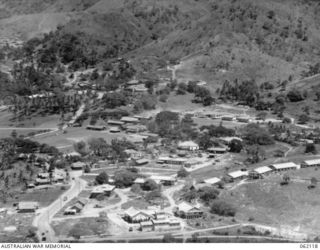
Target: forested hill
251,39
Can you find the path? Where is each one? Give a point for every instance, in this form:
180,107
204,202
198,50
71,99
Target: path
75,117
184,235
168,193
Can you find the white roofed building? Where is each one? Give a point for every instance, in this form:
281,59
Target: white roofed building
188,145
310,163
212,181
238,175
263,170
284,166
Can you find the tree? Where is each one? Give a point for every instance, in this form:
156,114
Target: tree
254,134
311,148
183,173
150,185
207,194
235,146
222,208
124,178
295,96
102,178
313,182
303,119
81,148
205,141
153,195
285,180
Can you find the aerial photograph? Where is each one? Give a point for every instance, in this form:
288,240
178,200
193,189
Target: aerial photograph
159,121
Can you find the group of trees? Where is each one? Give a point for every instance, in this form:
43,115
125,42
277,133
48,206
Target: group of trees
115,151
254,134
205,194
168,125
246,91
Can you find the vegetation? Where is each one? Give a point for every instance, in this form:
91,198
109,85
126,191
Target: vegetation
222,208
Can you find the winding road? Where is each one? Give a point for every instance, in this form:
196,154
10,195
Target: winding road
45,215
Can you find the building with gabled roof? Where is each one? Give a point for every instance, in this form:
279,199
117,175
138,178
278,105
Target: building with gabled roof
128,119
132,215
238,175
263,170
310,163
188,145
27,207
105,190
284,166
188,211
212,181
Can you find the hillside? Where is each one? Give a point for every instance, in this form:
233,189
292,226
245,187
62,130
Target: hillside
218,40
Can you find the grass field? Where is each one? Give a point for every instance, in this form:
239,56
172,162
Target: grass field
22,223
266,202
65,141
44,196
82,227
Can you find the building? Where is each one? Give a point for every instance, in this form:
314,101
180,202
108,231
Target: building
97,128
164,180
136,139
70,211
284,166
263,170
244,119
78,165
227,118
213,181
127,119
41,182
188,145
160,225
27,207
79,205
137,88
238,175
105,190
172,161
115,123
139,181
310,163
43,175
146,226
114,130
188,211
135,128
134,154
133,215
217,150
141,162
133,82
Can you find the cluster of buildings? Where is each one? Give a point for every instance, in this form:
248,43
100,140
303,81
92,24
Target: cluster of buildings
150,220
259,172
127,123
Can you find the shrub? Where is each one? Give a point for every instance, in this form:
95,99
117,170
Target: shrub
222,208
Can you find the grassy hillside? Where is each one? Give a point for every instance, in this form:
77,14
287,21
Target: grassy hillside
221,40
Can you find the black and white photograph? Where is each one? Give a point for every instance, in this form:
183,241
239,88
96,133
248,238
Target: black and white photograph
159,121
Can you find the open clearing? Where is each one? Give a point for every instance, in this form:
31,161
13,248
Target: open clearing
293,207
44,196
